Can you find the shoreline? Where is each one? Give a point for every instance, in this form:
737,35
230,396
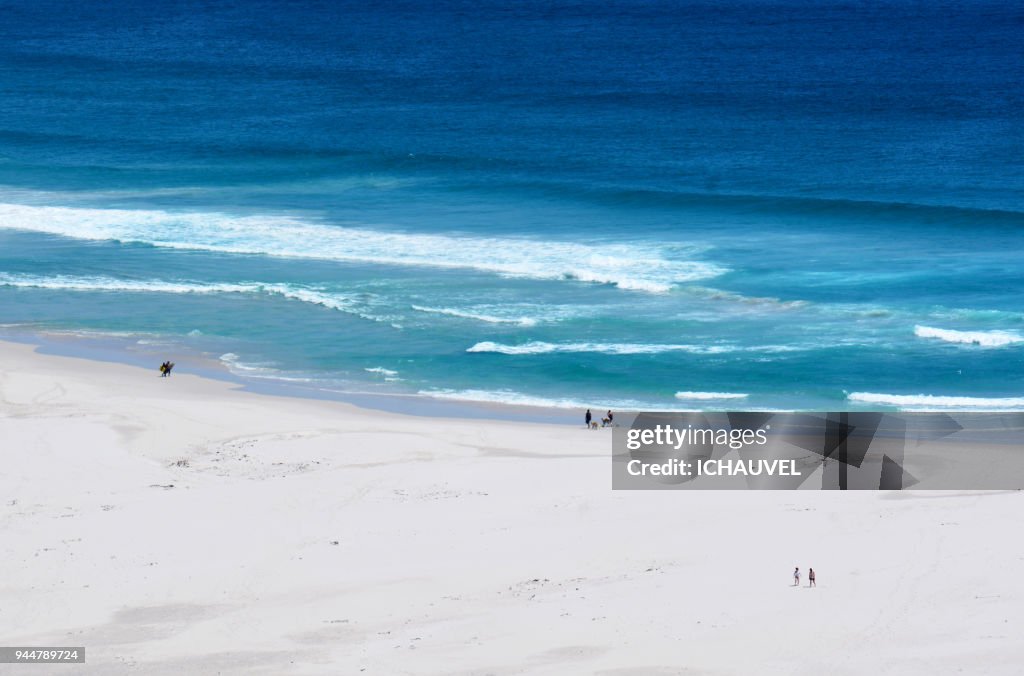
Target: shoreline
105,348
186,525
135,349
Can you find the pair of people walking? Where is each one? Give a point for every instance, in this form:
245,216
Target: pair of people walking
811,582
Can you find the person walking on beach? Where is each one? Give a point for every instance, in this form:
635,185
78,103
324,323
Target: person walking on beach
810,578
796,577
587,418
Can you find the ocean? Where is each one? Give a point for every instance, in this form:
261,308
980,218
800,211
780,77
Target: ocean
629,205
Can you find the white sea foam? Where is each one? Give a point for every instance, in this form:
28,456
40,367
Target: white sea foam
235,365
478,316
157,342
509,397
91,333
918,402
541,347
332,300
703,396
267,371
68,283
382,371
628,266
981,338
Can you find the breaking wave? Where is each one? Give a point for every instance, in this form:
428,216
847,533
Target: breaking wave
313,296
933,402
982,338
709,396
380,370
627,266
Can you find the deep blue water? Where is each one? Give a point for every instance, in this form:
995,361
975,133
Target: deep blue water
601,203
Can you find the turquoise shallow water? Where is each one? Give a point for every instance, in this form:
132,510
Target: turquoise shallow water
642,205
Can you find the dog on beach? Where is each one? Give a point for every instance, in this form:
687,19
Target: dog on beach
593,424
606,422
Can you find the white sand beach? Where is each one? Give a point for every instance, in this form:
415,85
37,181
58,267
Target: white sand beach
183,526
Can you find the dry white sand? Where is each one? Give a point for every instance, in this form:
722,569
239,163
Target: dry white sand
180,526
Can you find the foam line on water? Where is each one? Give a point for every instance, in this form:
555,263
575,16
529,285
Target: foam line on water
541,347
265,371
710,396
629,266
510,397
380,370
320,297
478,316
993,338
913,402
